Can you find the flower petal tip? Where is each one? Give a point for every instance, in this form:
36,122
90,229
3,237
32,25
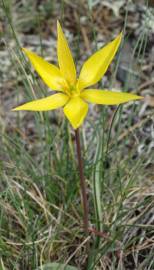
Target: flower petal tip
120,36
27,52
138,97
14,109
24,50
59,28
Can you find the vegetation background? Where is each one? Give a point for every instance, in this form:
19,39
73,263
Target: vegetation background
40,210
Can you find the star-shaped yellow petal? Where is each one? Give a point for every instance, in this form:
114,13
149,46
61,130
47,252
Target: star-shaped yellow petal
76,110
44,104
50,74
95,67
65,59
107,97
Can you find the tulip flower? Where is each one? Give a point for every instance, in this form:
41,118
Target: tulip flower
72,93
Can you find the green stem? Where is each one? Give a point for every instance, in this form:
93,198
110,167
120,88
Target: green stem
82,182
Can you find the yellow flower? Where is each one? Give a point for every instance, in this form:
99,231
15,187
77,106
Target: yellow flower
73,93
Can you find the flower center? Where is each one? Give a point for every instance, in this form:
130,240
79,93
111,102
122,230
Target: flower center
73,91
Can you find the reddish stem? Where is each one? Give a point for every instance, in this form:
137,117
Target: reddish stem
82,182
